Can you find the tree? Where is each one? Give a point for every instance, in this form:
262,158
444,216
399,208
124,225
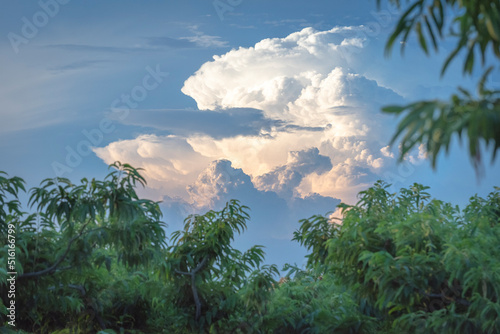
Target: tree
93,257
413,263
211,277
475,25
75,230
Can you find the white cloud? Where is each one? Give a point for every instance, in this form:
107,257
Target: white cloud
285,179
344,181
256,155
302,80
386,152
418,156
206,41
169,162
215,182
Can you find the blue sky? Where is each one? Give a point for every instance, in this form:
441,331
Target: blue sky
273,103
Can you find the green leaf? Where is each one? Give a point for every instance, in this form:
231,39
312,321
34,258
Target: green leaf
393,109
421,38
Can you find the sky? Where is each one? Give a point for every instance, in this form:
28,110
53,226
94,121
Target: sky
276,104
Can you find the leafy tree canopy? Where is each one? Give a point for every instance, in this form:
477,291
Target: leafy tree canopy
414,263
93,258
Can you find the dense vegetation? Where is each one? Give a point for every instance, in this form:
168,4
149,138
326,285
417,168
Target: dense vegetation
93,258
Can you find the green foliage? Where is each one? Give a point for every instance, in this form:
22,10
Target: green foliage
92,259
10,207
420,265
313,234
65,250
475,25
312,303
213,278
434,123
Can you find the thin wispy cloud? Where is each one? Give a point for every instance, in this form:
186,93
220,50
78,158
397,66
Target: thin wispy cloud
283,22
197,41
84,48
77,65
152,44
206,41
240,26
171,42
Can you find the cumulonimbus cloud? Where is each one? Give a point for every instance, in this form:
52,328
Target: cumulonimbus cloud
313,105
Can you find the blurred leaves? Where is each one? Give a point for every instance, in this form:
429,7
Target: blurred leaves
475,25
435,123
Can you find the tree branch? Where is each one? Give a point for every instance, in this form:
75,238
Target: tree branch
192,273
444,297
59,261
72,286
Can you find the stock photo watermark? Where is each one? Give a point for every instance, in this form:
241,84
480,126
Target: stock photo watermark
11,272
224,6
120,108
32,25
405,168
383,20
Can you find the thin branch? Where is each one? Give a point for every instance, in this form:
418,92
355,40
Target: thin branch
443,297
59,261
182,272
195,270
78,287
72,286
64,268
192,273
